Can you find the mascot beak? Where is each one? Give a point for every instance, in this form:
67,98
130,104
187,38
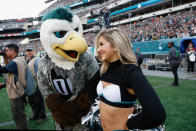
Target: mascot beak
72,48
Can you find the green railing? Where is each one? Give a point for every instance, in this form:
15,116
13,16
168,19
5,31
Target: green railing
156,46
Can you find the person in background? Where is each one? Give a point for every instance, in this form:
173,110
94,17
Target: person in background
107,17
190,45
15,71
2,61
139,57
119,83
36,100
173,59
23,55
185,34
191,58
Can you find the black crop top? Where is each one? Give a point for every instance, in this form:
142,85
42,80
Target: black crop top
115,95
130,76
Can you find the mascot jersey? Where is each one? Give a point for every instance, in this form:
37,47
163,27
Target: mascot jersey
64,71
65,82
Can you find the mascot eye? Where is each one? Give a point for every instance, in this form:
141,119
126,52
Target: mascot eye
76,29
60,34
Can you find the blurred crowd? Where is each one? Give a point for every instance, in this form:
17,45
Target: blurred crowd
12,24
38,48
174,25
96,8
178,25
83,10
59,3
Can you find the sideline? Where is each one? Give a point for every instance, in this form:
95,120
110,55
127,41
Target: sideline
163,85
169,84
182,73
12,122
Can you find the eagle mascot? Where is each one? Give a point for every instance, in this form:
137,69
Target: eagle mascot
65,70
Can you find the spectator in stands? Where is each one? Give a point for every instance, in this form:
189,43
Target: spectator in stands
119,82
174,62
154,37
101,12
36,100
191,58
186,34
107,17
164,36
15,70
91,13
167,25
23,55
193,33
100,22
179,34
40,53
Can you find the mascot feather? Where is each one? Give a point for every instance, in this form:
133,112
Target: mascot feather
64,71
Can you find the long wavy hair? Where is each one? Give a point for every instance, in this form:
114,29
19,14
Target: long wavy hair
123,45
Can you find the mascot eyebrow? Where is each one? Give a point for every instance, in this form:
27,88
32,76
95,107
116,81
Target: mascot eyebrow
59,13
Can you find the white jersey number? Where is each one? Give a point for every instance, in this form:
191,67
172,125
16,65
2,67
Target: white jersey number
63,87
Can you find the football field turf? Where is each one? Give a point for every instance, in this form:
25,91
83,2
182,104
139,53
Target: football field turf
179,103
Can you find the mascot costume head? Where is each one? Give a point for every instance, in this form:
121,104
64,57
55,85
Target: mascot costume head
61,36
64,71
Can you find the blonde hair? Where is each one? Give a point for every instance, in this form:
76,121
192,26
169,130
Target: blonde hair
123,45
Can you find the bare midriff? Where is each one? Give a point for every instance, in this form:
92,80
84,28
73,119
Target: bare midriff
114,118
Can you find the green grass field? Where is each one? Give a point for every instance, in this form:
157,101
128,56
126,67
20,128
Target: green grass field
179,102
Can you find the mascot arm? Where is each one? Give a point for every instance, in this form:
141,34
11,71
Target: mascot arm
92,76
43,84
92,66
68,113
91,86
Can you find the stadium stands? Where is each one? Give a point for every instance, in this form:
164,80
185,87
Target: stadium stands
143,20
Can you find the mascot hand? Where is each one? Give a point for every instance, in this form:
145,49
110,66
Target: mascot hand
68,113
